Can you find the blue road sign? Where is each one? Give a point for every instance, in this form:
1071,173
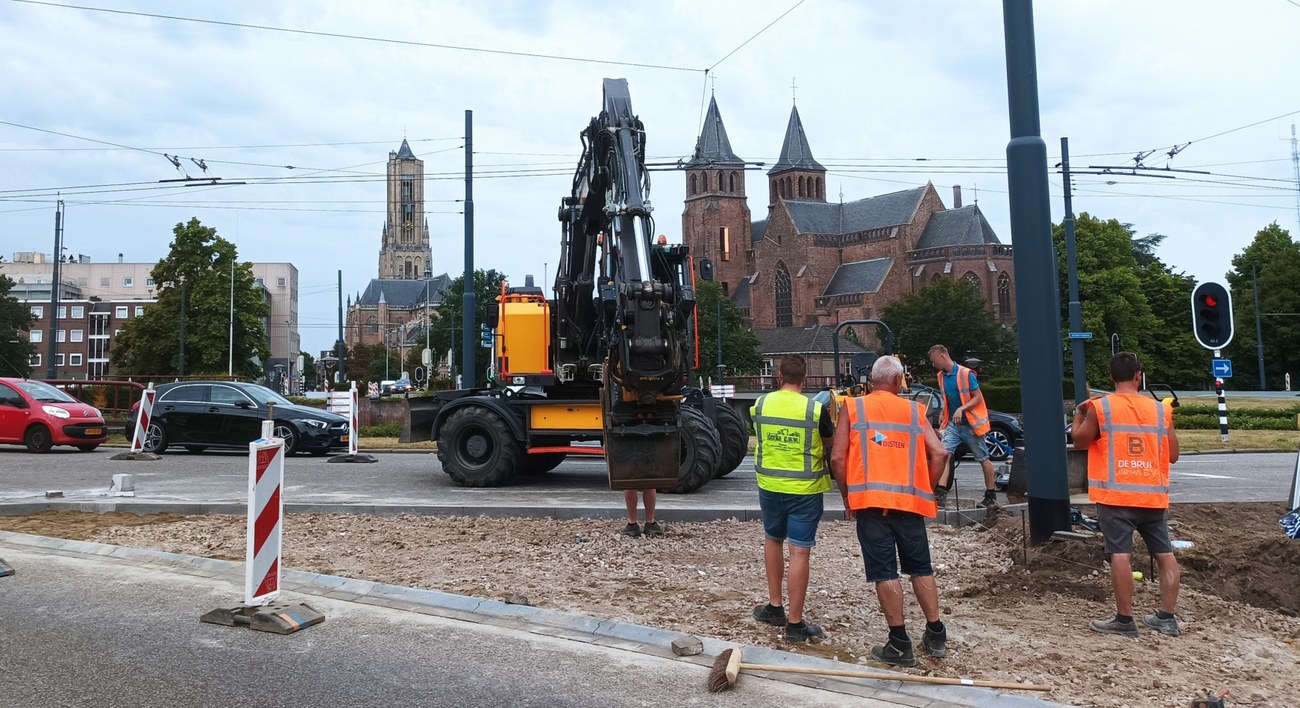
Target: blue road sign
1222,368
1081,335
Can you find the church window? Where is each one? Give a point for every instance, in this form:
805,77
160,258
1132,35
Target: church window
724,243
1004,296
695,187
972,279
773,190
821,189
372,325
733,181
801,194
784,297
725,289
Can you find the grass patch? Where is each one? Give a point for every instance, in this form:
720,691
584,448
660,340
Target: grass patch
1202,440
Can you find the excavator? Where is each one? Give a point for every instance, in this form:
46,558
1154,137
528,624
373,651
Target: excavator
606,359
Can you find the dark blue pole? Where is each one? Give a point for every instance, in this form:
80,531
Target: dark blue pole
467,300
1077,362
1037,301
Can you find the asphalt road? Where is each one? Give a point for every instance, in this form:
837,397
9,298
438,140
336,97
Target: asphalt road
80,631
415,479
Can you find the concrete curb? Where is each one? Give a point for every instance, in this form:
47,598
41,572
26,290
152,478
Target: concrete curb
565,625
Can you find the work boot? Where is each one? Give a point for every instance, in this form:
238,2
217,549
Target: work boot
936,643
770,614
803,631
1114,626
990,499
631,530
895,653
653,529
941,496
1167,627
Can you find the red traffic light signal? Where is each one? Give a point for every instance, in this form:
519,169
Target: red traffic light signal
1212,315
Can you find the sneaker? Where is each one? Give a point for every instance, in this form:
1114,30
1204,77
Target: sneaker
1167,627
895,653
803,632
1113,626
936,643
654,530
631,530
990,499
941,496
770,614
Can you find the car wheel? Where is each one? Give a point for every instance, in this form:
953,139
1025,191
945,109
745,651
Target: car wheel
155,438
289,434
196,449
998,444
38,439
87,448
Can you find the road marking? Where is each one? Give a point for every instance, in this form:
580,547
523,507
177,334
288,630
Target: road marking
1204,476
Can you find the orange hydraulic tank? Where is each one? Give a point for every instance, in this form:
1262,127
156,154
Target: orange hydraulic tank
525,335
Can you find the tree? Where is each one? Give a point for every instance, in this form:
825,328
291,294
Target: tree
948,312
1175,357
149,344
1275,257
309,372
15,317
448,318
739,345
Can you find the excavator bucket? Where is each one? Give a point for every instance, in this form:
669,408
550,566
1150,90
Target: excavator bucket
643,459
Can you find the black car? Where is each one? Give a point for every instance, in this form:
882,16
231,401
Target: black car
197,415
1001,441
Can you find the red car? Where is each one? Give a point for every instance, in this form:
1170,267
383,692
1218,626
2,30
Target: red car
41,416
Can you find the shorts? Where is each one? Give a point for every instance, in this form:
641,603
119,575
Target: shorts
792,517
893,539
1119,522
957,433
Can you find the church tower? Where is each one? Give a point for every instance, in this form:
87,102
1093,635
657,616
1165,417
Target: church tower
716,221
405,253
796,176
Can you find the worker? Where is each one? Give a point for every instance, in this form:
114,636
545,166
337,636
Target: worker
652,528
965,419
790,464
1131,443
886,459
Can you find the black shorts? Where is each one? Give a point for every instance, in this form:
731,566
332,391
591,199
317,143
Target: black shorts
893,539
1119,522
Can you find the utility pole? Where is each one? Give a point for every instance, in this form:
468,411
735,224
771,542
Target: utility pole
1072,276
1037,299
1259,337
230,358
467,299
180,360
52,370
340,346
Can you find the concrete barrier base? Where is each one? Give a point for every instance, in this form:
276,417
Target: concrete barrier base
359,457
6,569
276,618
139,456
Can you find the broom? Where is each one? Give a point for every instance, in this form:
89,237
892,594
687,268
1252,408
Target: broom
726,670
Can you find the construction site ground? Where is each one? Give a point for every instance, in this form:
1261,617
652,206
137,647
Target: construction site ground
1007,619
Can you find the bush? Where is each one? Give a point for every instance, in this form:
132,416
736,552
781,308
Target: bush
383,430
304,401
1004,394
1207,418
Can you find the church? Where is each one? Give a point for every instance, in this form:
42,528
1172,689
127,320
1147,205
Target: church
810,264
392,308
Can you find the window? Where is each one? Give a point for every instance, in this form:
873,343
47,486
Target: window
193,393
10,397
372,325
784,306
259,282
139,310
74,360
725,290
121,312
58,360
1004,296
972,279
34,360
78,312
38,311
78,335
228,395
63,312
724,243
128,282
82,282
63,335
695,186
733,181
767,368
103,282
280,282
148,282
35,336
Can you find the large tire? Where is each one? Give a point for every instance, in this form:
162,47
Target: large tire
701,451
540,463
733,436
155,438
477,448
38,439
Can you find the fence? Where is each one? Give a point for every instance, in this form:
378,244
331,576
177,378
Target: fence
108,396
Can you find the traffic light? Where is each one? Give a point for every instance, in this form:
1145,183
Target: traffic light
706,269
485,336
1212,315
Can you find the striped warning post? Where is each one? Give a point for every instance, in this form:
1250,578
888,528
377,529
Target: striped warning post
265,514
143,418
354,418
1223,409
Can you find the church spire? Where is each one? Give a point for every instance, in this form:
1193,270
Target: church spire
713,147
795,153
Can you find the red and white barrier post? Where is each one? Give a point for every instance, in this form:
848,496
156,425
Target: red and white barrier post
265,514
143,418
354,419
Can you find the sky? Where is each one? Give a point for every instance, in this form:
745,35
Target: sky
892,94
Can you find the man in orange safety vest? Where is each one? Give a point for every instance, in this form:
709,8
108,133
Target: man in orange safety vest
965,420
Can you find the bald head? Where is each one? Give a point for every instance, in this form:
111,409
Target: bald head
887,374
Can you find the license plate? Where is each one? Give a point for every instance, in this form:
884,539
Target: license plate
343,438
94,432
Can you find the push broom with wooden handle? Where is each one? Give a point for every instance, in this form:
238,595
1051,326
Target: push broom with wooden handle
726,670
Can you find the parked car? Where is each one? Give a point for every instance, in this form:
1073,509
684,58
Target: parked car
197,415
41,416
402,385
1000,442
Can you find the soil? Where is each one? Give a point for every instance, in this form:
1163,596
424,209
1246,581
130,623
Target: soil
1007,620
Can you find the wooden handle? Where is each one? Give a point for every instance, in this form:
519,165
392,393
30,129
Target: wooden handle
733,666
894,677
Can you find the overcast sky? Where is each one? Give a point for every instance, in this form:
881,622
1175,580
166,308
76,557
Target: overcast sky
892,95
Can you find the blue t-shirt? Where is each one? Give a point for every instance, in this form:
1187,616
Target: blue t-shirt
951,392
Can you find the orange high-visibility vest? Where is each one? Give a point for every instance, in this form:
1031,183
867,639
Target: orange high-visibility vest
887,458
977,417
1128,464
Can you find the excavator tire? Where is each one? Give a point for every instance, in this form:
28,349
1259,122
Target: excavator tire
701,452
540,463
477,449
733,435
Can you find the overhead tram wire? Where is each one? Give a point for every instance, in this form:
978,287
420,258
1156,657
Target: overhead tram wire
361,38
222,147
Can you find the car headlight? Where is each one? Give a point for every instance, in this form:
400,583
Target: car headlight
317,424
56,411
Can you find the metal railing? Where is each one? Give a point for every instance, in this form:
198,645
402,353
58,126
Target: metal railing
768,383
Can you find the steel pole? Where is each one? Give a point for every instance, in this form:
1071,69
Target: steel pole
180,360
1077,361
341,346
1259,336
230,357
467,299
52,370
1037,299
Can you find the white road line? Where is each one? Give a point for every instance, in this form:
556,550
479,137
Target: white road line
1203,476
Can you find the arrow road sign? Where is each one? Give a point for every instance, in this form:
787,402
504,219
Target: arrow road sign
1222,368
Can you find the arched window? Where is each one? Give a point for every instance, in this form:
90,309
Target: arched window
733,181
802,192
974,280
372,325
821,188
784,297
1004,296
695,187
935,278
772,188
